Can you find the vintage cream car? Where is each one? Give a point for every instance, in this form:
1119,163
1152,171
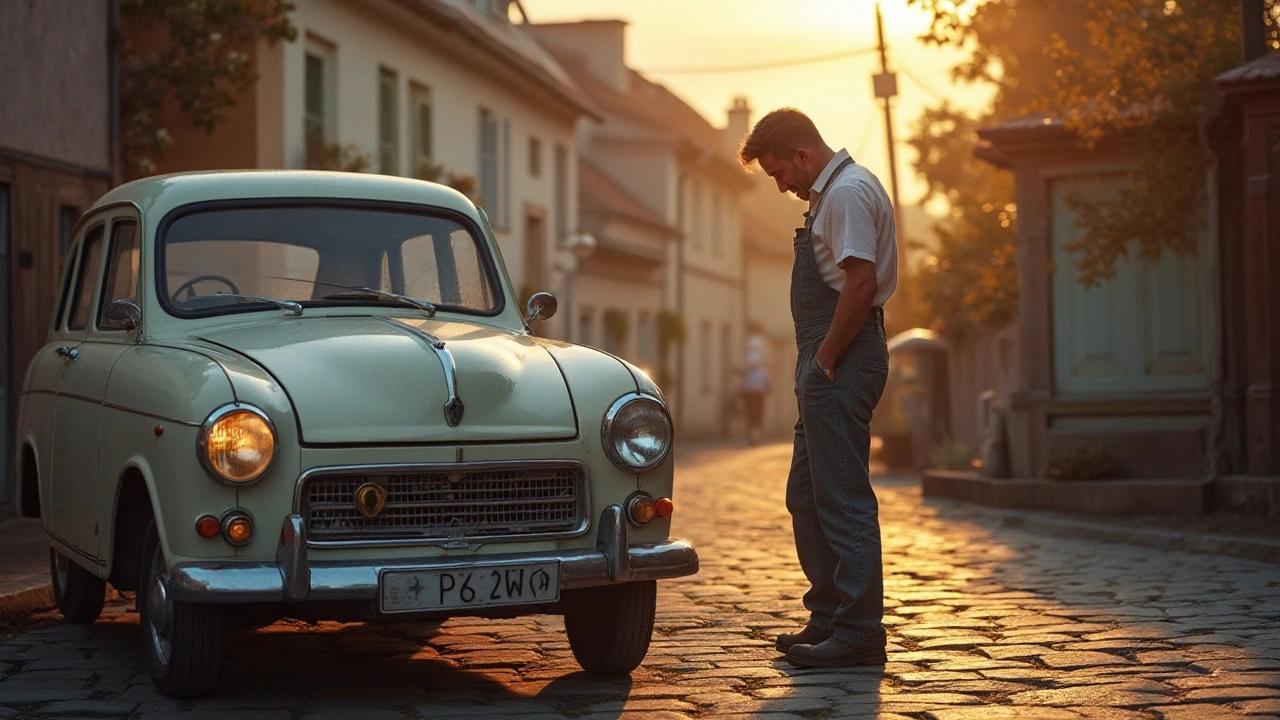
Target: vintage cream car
302,394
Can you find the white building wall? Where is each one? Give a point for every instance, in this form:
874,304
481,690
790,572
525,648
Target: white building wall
365,40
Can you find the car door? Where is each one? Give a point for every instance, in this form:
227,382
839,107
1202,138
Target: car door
88,354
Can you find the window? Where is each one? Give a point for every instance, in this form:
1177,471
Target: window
586,320
562,192
704,343
717,241
85,279
388,122
535,157
695,217
67,217
420,127
122,272
319,90
313,252
495,138
647,340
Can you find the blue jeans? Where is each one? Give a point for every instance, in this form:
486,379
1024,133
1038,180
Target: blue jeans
834,512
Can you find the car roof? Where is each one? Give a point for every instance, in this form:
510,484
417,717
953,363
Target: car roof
162,193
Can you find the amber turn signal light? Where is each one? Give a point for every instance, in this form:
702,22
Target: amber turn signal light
664,507
207,526
640,509
237,528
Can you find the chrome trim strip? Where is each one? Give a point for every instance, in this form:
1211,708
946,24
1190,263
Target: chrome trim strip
606,428
453,407
113,406
227,582
584,500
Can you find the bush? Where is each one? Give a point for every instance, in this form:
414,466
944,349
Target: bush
951,455
1091,463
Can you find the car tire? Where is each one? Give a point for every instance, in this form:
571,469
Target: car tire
609,627
181,642
78,593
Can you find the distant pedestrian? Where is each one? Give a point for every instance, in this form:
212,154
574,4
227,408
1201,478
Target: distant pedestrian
755,387
845,268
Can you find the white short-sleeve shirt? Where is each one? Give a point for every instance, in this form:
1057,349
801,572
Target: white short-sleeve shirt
855,220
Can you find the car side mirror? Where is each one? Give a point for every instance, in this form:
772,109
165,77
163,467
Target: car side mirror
125,312
541,306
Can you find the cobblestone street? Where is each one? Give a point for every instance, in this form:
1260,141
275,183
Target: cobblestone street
985,623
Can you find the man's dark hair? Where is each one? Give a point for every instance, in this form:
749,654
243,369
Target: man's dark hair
778,134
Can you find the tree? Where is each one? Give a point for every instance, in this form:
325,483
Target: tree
971,279
200,53
1109,68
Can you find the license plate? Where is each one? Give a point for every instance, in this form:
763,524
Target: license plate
470,587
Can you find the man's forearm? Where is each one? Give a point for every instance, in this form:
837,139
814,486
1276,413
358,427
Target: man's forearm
851,314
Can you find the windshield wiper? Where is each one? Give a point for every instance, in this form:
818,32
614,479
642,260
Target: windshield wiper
289,305
428,307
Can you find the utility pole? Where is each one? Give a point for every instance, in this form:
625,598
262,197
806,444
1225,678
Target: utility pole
886,87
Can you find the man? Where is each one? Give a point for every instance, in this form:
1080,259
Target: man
845,268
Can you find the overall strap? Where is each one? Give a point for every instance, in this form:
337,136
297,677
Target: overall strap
812,214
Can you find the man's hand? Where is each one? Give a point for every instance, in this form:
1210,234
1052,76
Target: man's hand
851,312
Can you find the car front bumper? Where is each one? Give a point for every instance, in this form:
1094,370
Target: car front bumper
293,578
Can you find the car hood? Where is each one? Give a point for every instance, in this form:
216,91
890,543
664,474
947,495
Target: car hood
381,380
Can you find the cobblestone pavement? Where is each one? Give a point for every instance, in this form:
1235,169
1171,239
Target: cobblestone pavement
986,623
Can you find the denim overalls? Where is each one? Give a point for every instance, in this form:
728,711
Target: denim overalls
833,508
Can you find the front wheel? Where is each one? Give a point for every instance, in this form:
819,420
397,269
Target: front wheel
181,642
609,626
78,593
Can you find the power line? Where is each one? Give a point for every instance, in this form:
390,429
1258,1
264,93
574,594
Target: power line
709,69
915,78
866,133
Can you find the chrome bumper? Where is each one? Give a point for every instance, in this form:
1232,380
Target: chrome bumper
292,578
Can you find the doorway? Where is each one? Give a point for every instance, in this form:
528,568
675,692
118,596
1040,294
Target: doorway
6,493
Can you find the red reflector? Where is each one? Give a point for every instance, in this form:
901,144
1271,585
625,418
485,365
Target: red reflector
207,526
664,506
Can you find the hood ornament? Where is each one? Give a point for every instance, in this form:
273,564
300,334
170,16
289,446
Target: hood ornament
453,408
453,411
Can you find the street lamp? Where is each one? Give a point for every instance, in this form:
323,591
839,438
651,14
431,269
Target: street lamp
577,247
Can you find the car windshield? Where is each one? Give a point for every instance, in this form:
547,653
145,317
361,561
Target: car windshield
229,258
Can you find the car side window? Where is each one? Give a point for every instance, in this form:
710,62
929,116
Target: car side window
86,277
122,272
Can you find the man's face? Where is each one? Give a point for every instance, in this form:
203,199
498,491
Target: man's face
792,174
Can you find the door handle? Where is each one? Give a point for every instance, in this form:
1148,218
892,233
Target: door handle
68,353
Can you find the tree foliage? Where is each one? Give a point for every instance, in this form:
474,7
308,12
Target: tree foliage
197,52
970,280
1139,70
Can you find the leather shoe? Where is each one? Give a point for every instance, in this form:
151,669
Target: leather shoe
810,635
835,653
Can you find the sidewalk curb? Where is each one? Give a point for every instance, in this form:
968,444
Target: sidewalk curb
1250,548
17,606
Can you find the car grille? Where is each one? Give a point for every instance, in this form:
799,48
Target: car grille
449,504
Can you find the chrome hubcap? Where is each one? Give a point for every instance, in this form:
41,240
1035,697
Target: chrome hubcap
159,609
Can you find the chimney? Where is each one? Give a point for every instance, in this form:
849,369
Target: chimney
600,43
739,121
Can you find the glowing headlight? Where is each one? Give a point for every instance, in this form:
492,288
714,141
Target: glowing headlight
637,432
237,444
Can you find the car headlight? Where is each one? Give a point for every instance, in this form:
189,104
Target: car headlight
637,432
237,444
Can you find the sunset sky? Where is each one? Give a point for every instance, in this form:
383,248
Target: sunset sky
664,36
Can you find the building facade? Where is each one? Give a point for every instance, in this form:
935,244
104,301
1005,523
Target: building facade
444,90
57,156
666,156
